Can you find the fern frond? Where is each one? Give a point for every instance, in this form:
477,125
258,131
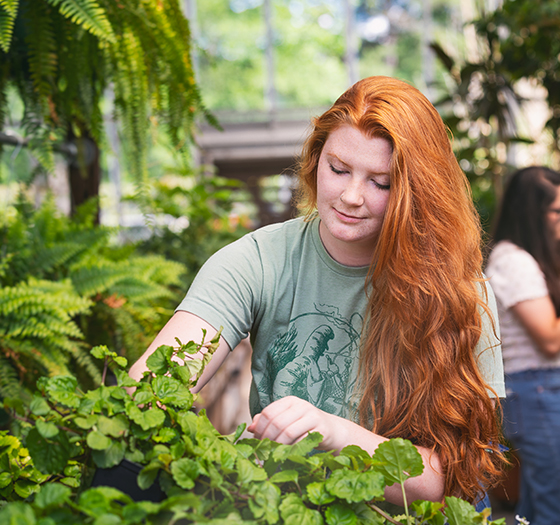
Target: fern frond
8,13
9,379
88,14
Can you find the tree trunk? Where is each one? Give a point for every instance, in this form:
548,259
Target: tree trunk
84,173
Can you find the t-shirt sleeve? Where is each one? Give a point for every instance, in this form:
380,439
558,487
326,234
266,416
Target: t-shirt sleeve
227,289
515,276
489,350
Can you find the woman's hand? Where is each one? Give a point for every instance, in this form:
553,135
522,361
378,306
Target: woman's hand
290,419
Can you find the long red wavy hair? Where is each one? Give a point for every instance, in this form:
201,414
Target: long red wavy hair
418,373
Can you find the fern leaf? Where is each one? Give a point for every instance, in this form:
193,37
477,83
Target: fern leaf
88,14
8,13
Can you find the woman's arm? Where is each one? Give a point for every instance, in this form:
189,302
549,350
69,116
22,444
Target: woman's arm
539,318
290,419
186,327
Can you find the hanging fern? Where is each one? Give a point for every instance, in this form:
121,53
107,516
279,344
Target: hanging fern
8,13
61,55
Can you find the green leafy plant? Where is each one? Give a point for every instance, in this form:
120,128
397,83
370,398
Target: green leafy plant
63,282
207,477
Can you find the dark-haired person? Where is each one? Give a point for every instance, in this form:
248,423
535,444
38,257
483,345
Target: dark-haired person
524,269
369,316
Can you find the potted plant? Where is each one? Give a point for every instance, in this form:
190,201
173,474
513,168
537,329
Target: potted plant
205,477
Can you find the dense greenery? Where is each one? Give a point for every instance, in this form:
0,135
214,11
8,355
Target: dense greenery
207,477
65,285
61,56
485,108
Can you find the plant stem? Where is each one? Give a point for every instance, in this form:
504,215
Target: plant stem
105,366
383,513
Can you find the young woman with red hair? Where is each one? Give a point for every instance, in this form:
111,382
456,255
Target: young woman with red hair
369,316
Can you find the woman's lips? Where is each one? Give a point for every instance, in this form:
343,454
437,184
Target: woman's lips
347,218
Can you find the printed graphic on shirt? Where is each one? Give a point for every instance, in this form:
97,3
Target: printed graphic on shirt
315,360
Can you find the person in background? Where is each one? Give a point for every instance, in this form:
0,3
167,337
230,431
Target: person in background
369,316
524,270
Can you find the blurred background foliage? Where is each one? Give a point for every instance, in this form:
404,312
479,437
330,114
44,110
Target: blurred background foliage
107,211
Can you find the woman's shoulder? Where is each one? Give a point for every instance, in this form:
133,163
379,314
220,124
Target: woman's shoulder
507,255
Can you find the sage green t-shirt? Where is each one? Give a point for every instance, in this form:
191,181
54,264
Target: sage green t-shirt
304,313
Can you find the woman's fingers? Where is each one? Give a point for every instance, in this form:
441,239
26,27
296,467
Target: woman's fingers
287,420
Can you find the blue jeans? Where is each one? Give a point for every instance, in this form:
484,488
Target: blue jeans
532,424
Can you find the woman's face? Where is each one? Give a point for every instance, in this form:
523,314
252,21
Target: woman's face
353,186
553,215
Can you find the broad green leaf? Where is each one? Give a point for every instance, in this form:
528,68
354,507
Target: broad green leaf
24,488
47,430
339,514
124,380
460,512
99,500
101,352
318,494
183,399
143,397
5,479
17,513
62,389
158,362
121,361
146,419
428,511
98,441
39,406
165,386
248,471
148,475
115,426
294,512
165,435
189,422
264,501
52,494
305,446
111,456
284,476
49,456
86,422
354,486
399,460
185,471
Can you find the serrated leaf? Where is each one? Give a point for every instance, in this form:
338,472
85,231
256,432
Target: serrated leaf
248,471
185,471
285,476
264,501
62,389
318,494
24,488
354,486
39,406
52,494
46,429
339,514
49,456
146,419
18,513
158,362
459,512
86,422
110,456
114,426
98,441
302,448
294,512
5,479
399,460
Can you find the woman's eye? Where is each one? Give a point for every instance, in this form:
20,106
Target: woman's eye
381,186
337,171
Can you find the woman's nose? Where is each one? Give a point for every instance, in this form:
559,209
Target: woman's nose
352,194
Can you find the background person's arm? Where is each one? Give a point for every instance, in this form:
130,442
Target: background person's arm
187,327
538,316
